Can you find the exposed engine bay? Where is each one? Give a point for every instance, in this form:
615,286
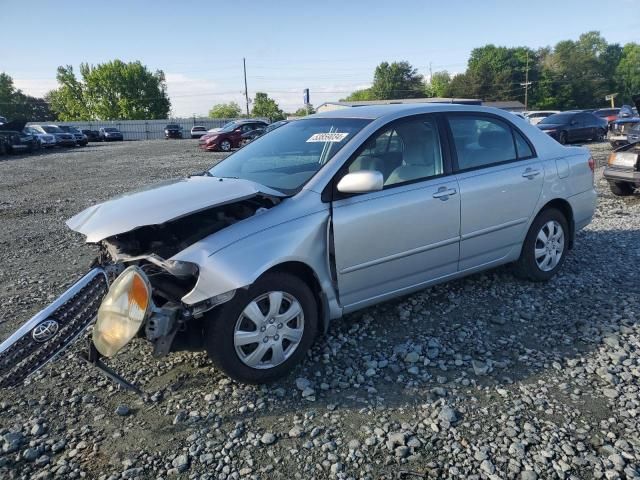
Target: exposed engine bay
172,326
167,239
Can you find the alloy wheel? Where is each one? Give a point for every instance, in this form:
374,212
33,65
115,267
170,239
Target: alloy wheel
269,330
225,145
549,246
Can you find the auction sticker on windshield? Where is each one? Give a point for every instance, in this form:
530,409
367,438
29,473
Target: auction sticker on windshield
327,137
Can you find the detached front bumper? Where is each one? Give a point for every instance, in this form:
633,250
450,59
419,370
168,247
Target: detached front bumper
53,330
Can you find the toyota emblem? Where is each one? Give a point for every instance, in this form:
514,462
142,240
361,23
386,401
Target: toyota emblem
45,331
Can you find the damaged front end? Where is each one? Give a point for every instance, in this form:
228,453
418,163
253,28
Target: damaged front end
135,289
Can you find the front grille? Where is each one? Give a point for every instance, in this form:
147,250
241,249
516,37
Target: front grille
21,354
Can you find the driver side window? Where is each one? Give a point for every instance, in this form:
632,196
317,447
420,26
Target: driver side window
405,152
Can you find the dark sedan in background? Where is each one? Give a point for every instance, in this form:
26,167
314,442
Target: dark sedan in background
172,131
92,135
78,136
14,139
568,127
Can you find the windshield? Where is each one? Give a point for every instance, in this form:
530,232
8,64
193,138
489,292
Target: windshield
229,127
557,118
286,158
172,126
111,130
52,129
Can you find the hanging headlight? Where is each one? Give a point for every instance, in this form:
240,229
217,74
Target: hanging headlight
122,312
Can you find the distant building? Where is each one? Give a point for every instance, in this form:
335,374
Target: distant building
513,106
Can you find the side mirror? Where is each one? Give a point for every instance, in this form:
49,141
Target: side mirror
361,182
573,122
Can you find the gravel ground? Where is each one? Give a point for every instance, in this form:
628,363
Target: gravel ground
486,377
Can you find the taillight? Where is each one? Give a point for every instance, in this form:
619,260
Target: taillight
592,164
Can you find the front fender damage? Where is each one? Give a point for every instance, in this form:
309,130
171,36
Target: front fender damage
170,325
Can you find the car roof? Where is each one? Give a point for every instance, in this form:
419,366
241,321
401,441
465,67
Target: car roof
373,112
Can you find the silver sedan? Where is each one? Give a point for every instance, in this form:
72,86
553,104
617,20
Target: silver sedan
321,217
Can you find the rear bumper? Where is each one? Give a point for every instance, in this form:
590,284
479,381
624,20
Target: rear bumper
52,330
622,175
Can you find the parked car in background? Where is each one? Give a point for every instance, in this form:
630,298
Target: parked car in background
172,130
198,130
572,126
321,217
110,134
536,116
623,168
634,134
45,140
3,120
251,135
609,114
230,136
619,129
63,139
80,138
16,139
92,135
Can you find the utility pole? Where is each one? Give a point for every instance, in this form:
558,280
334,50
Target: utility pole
526,85
246,92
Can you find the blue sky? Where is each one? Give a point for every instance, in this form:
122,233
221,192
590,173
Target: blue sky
331,47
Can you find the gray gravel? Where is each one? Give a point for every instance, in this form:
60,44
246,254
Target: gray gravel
488,377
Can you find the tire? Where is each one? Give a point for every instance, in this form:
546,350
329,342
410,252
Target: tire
225,145
534,268
562,138
601,135
224,322
621,189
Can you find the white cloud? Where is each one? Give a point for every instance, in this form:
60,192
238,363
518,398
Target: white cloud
37,87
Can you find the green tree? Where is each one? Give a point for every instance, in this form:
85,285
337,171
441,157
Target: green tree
16,105
263,106
225,110
438,84
110,91
396,80
304,111
628,72
359,96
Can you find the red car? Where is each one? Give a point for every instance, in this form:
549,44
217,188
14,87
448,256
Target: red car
229,136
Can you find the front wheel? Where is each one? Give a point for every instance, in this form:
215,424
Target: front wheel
600,135
264,331
545,247
621,189
225,146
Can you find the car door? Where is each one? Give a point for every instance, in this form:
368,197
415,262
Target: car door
500,180
407,234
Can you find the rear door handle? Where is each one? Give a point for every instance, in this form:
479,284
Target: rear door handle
444,193
530,173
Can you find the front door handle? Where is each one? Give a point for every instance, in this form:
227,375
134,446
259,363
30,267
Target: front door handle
444,193
530,173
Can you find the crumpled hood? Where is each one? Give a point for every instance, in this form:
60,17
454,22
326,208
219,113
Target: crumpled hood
161,203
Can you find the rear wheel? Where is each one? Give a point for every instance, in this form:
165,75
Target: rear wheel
621,189
264,331
562,138
545,247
